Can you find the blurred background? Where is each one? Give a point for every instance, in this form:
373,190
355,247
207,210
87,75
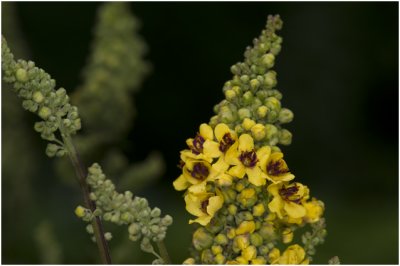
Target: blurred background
338,72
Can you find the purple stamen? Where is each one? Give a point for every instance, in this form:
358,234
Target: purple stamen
277,168
226,142
200,171
197,146
248,158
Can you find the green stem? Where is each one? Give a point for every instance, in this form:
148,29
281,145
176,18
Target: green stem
81,173
163,252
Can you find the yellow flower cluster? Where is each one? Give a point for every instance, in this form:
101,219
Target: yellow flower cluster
244,198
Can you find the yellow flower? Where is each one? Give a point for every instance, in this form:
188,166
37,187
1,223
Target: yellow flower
288,199
195,175
245,227
274,166
225,139
200,147
314,210
294,254
203,205
245,160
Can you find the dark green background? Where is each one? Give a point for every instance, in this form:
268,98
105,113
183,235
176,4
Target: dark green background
338,72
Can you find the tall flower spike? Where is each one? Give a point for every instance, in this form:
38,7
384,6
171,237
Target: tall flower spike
37,90
235,179
252,104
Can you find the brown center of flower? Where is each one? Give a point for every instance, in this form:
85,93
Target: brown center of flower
197,146
277,167
290,193
200,171
204,205
248,158
226,142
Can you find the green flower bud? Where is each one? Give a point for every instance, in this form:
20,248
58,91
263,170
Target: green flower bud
270,79
271,133
285,137
245,78
207,256
258,131
21,75
226,114
262,111
244,113
189,261
146,246
44,112
220,259
254,84
167,220
285,116
221,239
156,212
108,236
158,261
38,97
268,60
202,239
263,250
230,95
134,229
237,90
247,98
229,195
256,239
232,209
89,229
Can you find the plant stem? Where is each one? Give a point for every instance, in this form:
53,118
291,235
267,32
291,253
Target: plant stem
81,173
163,252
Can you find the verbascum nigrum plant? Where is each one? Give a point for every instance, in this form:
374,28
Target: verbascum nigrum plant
245,200
60,121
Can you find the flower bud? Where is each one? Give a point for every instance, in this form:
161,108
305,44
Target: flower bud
80,211
202,239
220,259
241,242
230,95
232,209
259,261
285,116
262,111
38,97
258,209
167,220
134,229
155,212
247,197
216,249
270,79
287,235
285,137
256,239
254,84
268,60
245,227
21,75
241,260
189,261
249,253
44,112
247,98
248,123
221,239
258,131
108,236
244,113
89,229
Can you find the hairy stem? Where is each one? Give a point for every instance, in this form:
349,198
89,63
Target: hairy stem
81,173
163,252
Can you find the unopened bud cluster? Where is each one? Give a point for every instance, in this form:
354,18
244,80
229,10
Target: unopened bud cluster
38,93
123,209
114,70
251,103
235,179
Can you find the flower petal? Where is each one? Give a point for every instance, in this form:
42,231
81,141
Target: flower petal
221,166
224,180
294,210
193,206
181,183
220,131
237,171
256,176
281,178
246,143
203,220
232,154
211,149
263,155
199,188
206,131
214,204
276,206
